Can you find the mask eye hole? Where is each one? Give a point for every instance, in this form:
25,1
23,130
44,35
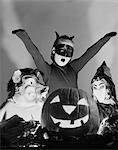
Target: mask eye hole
55,100
102,86
62,50
59,46
94,88
70,49
29,81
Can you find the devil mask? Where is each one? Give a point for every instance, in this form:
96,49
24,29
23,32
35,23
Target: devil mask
62,51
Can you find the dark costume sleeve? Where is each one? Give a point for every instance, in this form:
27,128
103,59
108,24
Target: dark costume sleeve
80,62
106,110
40,63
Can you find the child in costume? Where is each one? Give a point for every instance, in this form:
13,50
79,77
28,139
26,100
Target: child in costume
22,111
103,92
25,93
63,72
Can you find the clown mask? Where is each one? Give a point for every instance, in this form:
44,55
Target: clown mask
32,90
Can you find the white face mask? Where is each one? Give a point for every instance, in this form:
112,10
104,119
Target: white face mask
61,60
29,94
99,90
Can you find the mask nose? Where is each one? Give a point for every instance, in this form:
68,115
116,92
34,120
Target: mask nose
69,109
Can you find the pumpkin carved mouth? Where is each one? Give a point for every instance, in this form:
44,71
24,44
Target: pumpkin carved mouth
67,123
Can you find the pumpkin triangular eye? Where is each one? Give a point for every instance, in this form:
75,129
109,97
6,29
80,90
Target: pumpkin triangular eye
69,108
83,102
55,100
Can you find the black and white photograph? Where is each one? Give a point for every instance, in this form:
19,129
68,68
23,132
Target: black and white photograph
58,74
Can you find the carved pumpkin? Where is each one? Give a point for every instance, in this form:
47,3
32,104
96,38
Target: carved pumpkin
72,111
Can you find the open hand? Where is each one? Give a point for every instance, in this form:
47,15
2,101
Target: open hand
18,30
111,34
21,33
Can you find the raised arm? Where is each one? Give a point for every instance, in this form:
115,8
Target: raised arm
80,62
40,63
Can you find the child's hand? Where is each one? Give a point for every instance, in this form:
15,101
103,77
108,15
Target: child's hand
21,33
111,34
18,30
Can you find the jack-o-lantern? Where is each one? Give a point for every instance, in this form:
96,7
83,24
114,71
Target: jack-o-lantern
73,112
